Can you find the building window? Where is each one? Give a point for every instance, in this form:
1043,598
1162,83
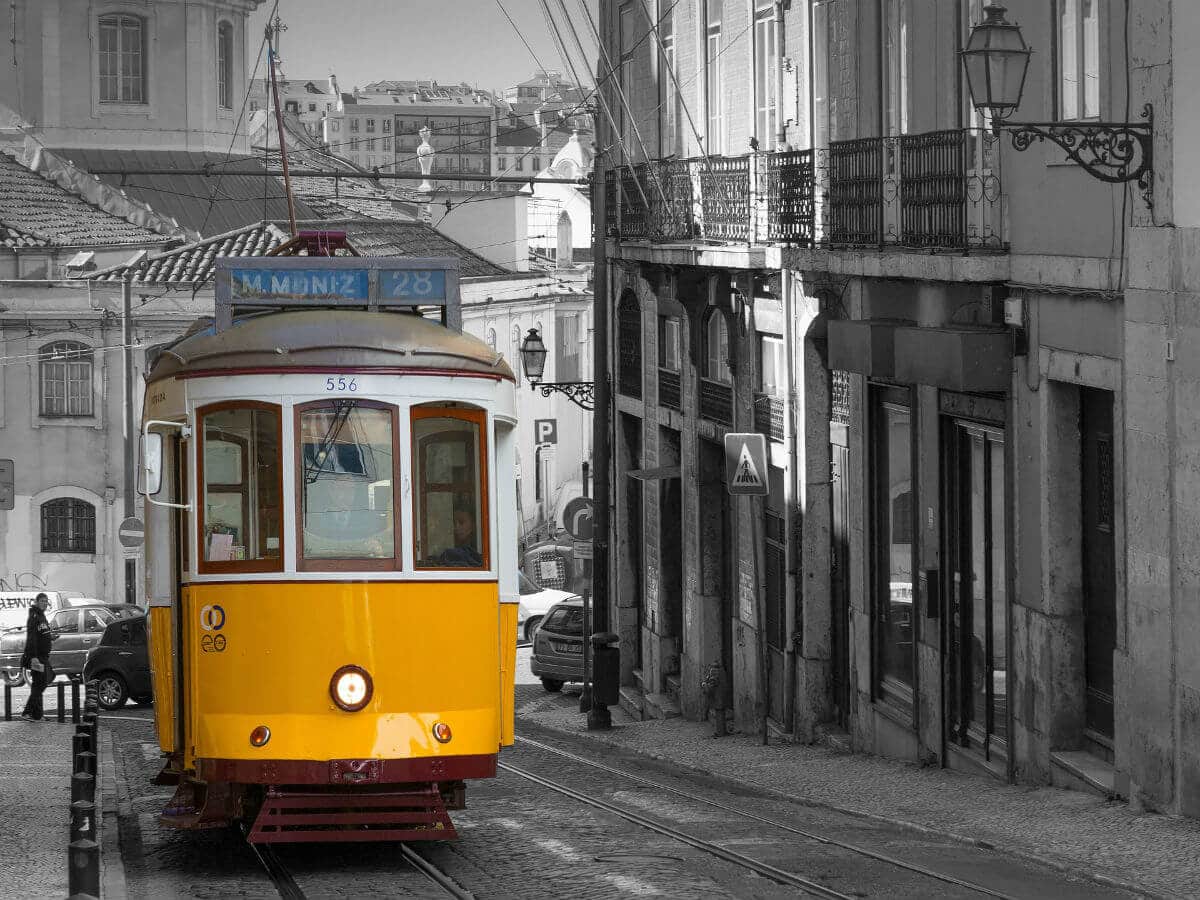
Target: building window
766,61
669,333
537,164
387,126
775,558
566,363
1078,47
713,84
335,126
895,67
668,96
892,542
519,165
312,107
370,126
122,59
387,145
68,526
772,366
629,345
371,145
354,125
629,39
716,349
501,164
225,65
65,373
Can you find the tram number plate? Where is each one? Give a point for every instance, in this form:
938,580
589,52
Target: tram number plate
354,771
564,647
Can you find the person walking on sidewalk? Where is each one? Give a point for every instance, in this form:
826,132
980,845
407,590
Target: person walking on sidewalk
36,657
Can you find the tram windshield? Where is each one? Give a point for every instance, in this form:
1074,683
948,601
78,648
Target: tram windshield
241,481
346,463
449,503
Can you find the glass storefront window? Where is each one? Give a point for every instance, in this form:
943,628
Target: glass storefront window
450,496
240,479
345,474
892,530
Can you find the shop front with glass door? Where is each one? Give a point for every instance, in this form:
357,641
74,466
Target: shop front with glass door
976,592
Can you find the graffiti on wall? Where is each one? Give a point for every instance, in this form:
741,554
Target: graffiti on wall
23,581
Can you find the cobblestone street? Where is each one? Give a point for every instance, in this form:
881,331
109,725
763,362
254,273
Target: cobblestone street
654,834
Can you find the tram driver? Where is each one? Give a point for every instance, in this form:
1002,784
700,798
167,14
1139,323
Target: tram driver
465,552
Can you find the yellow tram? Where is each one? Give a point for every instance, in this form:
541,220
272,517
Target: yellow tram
331,552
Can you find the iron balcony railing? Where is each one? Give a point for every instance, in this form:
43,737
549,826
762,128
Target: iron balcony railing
669,393
935,191
716,402
768,416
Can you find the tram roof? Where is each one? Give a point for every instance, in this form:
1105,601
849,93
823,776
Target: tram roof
327,340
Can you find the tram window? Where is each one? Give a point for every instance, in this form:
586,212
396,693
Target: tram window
240,459
450,504
346,475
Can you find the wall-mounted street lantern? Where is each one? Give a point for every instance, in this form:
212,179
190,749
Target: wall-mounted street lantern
996,59
533,361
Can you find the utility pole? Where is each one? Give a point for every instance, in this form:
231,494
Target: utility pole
130,480
272,58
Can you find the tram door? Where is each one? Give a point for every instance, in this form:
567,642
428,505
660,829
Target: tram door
180,565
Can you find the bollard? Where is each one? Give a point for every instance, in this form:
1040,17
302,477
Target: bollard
86,762
84,859
7,702
62,701
83,787
75,700
83,821
81,742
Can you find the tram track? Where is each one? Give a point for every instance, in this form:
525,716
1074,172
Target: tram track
284,880
914,868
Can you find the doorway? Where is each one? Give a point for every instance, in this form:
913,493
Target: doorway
839,575
1099,563
977,590
716,534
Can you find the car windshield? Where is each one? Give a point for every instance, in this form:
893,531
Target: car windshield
528,585
565,620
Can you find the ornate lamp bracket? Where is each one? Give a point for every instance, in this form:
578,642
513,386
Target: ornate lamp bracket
581,393
1115,152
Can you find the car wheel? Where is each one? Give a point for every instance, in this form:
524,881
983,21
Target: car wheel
111,690
13,680
551,685
531,626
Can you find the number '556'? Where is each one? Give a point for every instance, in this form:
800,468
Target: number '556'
341,383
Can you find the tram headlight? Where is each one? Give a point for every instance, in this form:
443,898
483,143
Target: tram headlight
351,688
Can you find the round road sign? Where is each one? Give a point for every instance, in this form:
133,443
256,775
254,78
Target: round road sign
132,532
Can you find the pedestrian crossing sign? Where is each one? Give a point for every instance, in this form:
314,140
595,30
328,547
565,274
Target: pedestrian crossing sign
746,463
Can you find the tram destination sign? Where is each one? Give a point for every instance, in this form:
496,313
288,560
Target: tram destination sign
363,282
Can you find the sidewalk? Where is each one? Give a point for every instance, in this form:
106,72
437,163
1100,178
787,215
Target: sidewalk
35,804
1068,830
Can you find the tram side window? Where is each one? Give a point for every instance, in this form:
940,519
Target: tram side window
346,468
240,457
450,505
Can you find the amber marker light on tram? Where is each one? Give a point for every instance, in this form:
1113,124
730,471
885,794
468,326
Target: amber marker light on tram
441,731
351,688
259,736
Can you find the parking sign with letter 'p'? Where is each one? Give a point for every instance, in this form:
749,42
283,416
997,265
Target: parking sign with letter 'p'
8,484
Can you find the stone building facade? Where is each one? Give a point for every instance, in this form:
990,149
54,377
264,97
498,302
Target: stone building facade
975,552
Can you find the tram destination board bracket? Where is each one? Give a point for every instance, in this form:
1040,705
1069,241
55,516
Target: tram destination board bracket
317,282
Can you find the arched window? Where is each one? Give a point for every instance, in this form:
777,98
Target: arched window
65,375
629,345
491,338
122,59
225,65
68,526
716,348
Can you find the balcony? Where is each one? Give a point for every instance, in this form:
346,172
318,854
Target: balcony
934,192
669,394
768,416
716,402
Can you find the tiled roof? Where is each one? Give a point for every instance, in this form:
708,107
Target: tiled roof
195,263
239,199
36,212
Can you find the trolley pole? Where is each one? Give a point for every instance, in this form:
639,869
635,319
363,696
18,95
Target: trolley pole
127,356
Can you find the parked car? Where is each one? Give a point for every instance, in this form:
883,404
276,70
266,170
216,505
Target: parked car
14,605
121,664
76,630
535,603
558,645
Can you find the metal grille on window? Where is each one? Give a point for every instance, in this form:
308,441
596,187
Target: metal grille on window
68,526
629,347
65,374
839,400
